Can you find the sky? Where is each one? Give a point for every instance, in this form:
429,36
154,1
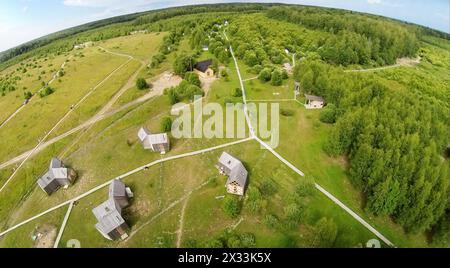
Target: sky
25,20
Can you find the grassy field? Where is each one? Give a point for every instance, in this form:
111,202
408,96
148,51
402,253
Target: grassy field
161,192
42,70
302,137
96,101
22,133
256,90
140,46
25,236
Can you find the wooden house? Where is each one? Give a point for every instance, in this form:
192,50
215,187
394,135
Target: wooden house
236,172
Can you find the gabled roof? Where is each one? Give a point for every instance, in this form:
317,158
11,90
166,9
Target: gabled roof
238,174
117,189
109,216
228,160
56,171
46,179
149,139
202,66
59,173
56,163
158,138
314,98
143,133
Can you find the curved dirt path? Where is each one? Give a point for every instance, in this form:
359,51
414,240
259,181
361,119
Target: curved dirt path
402,62
38,148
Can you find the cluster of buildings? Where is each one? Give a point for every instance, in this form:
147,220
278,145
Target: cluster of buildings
110,221
138,32
83,45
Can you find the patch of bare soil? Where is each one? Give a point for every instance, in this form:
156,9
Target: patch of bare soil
45,236
342,161
207,83
165,80
408,61
140,207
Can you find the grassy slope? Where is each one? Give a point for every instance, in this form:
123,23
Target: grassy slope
40,115
29,81
22,237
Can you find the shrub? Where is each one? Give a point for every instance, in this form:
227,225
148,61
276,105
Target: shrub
141,84
47,91
224,73
268,187
256,69
284,75
183,64
277,78
173,98
328,115
305,187
254,200
166,124
287,112
265,75
271,221
294,213
27,95
192,78
250,58
232,206
237,92
324,234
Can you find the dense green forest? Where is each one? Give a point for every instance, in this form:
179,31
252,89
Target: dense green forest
356,39
394,141
393,133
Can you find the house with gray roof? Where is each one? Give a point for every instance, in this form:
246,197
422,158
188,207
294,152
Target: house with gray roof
236,172
314,102
110,223
57,176
155,142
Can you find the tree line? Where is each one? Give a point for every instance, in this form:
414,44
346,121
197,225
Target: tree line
393,139
356,38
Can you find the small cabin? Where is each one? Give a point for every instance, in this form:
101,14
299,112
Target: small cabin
156,142
56,177
110,223
236,172
314,102
203,68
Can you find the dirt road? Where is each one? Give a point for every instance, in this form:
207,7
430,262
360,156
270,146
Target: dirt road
164,81
402,62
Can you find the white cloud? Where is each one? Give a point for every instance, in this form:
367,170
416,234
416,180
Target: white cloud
25,9
374,2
